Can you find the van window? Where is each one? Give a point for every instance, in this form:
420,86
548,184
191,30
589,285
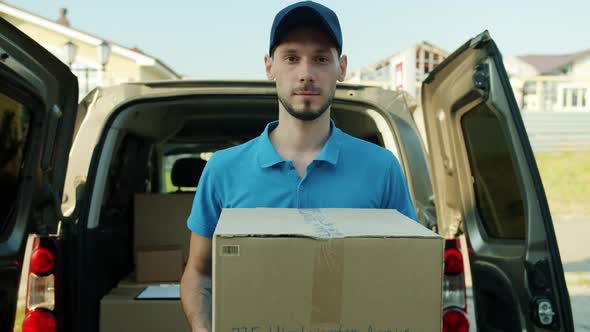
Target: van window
498,195
14,126
169,161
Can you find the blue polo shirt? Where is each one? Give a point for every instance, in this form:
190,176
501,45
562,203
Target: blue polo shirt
348,173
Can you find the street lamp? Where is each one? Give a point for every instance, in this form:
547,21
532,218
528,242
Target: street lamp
103,54
71,51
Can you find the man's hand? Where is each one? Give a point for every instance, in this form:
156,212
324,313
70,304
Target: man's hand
200,329
196,301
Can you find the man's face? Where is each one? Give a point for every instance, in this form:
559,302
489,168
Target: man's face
305,66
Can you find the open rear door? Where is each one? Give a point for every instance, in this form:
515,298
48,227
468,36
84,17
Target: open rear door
38,101
487,184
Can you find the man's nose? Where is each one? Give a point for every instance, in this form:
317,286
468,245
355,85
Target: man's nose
306,72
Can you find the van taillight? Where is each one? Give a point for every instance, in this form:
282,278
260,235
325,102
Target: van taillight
39,320
41,261
455,317
40,298
455,320
453,261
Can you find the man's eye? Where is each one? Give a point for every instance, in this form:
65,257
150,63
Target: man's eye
322,59
291,59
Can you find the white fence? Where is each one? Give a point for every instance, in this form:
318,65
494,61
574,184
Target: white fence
558,131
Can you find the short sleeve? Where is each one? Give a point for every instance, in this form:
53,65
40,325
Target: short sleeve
396,193
207,204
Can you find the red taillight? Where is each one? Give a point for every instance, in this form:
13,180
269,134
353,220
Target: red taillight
39,321
453,261
41,261
455,320
41,285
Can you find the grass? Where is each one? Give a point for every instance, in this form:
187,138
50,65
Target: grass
566,178
20,315
169,186
577,279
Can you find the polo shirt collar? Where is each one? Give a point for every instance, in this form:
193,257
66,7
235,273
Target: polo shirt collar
268,155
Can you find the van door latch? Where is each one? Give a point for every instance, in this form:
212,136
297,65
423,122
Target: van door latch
545,312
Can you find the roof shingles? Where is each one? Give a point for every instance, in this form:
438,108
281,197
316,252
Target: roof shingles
546,64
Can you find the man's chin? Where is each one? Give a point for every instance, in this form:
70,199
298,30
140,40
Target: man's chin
306,115
306,111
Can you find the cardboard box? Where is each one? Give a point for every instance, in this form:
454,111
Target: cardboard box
159,264
321,270
160,220
120,312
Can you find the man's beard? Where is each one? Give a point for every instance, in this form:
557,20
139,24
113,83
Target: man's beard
307,114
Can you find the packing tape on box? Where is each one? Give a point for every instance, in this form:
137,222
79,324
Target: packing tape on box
326,297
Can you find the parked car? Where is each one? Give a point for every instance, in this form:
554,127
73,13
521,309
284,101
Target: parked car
476,176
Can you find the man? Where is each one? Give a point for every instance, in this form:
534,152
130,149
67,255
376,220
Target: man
300,161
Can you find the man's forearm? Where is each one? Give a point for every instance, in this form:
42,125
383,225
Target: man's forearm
195,301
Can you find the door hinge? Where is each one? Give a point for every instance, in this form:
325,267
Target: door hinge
56,203
481,79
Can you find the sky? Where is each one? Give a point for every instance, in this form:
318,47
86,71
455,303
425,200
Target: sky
228,39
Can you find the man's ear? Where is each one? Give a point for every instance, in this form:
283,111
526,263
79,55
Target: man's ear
342,66
268,66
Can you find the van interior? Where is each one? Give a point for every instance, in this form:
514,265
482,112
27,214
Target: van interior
158,149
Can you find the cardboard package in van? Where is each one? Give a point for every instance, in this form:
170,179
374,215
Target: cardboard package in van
319,270
129,308
159,264
160,220
120,311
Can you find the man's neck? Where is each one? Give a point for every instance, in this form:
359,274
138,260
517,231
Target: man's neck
294,138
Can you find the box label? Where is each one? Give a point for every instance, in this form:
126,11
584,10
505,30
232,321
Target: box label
232,250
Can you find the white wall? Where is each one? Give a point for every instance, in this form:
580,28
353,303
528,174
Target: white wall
581,67
515,67
518,71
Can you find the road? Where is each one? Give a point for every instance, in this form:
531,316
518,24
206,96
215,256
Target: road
574,247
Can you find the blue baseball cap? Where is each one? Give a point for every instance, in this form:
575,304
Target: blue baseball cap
305,13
